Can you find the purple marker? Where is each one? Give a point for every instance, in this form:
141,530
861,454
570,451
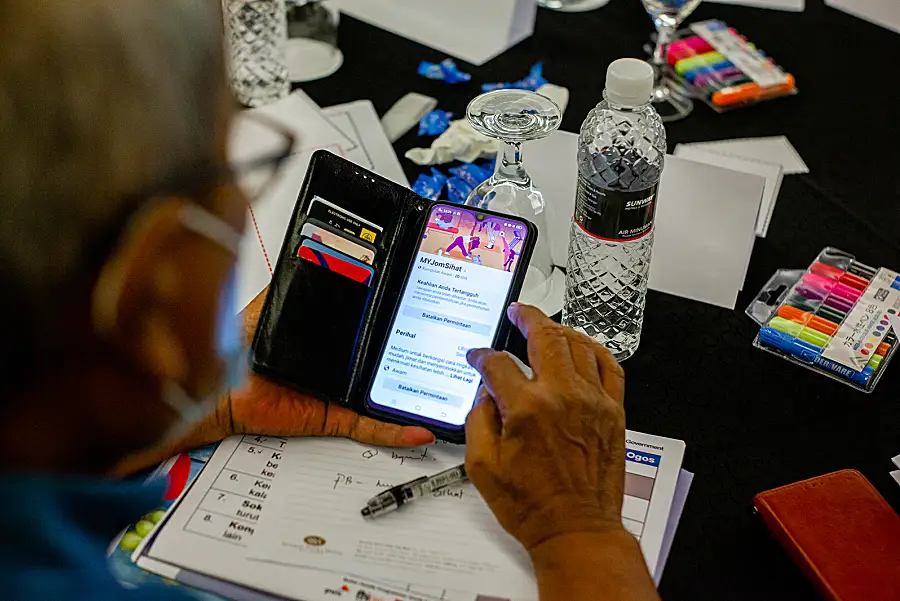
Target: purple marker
841,304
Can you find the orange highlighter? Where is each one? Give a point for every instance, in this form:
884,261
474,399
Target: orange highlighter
751,91
819,324
808,319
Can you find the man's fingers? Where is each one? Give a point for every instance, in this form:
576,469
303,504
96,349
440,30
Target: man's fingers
251,314
548,348
483,429
502,377
611,373
343,422
584,356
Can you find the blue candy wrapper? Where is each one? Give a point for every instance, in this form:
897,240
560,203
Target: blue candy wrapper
532,81
430,186
458,190
434,123
471,174
445,71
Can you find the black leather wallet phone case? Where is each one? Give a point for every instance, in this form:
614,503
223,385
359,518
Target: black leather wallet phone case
322,333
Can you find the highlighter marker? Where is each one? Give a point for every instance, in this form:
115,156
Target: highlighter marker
863,271
841,304
826,271
799,331
804,304
832,315
691,46
789,344
809,353
831,287
700,60
717,80
875,362
751,91
808,319
810,293
854,281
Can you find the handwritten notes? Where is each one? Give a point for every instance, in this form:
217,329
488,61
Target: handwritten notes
316,521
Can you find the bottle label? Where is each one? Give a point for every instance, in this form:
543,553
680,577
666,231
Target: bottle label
612,215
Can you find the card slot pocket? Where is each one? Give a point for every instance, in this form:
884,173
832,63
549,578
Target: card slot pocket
309,336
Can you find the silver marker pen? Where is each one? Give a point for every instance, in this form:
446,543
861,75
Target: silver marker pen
402,494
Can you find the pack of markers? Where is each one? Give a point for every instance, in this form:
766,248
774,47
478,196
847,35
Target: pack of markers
839,318
717,64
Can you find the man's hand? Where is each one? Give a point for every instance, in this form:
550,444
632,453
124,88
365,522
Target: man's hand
264,407
548,454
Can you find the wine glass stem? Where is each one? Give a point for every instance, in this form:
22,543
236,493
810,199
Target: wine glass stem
509,164
664,36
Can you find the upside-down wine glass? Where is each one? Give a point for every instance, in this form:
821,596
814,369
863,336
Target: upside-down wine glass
514,117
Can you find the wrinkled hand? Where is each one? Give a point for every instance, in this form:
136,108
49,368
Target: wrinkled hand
548,455
264,407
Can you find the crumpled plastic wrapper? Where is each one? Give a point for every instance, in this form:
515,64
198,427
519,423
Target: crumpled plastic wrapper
534,80
445,71
462,143
430,186
434,123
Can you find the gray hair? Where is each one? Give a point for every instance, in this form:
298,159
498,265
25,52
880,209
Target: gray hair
98,99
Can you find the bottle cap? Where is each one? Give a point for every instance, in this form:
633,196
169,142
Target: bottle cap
629,82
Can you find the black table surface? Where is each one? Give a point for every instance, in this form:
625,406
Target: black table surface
751,421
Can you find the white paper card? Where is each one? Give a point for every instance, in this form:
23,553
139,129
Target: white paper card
705,221
896,476
896,460
791,5
775,149
885,13
371,149
682,488
771,171
268,219
472,30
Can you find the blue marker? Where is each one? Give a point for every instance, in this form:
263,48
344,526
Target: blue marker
810,353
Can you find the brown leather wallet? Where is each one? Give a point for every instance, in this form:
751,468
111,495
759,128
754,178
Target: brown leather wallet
841,532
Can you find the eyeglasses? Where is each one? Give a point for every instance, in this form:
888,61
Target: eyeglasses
258,148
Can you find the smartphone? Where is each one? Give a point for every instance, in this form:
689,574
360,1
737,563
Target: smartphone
469,267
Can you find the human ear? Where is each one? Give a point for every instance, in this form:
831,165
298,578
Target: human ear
136,296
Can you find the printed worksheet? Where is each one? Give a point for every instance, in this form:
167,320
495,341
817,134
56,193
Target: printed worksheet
282,516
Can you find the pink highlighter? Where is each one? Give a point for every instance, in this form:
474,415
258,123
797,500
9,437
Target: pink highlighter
689,47
834,288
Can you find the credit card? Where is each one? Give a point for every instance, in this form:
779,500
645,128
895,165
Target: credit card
344,221
321,233
332,260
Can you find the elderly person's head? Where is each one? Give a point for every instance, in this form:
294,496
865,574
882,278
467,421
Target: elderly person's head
117,223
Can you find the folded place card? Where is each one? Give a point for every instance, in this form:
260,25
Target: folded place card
705,222
472,30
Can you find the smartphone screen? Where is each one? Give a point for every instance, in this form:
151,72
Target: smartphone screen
453,301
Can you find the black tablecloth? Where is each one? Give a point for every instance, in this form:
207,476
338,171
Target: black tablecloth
751,421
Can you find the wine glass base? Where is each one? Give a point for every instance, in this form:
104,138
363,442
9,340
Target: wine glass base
309,60
577,6
671,105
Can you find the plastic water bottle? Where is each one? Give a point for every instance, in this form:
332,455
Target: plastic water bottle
621,151
256,35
